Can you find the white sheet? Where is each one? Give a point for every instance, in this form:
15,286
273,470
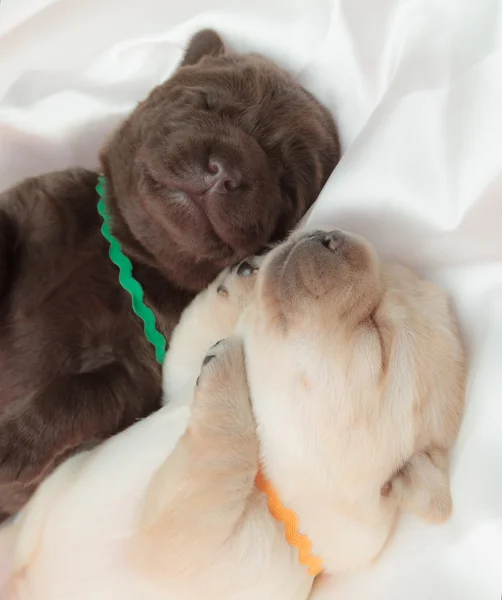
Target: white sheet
416,86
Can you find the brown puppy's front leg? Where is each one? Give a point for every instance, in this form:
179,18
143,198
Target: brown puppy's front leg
7,243
71,410
201,492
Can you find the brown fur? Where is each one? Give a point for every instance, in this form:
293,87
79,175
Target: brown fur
222,158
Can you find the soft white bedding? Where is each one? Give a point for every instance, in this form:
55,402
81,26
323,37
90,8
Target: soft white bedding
416,86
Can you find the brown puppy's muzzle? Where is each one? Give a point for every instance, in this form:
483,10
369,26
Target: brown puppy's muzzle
215,176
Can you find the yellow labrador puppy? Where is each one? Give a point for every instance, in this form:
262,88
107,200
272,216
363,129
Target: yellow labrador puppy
356,376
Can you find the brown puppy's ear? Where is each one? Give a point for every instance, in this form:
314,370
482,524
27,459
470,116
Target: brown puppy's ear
422,486
204,43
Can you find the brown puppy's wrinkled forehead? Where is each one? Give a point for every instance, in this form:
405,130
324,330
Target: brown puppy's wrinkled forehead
224,157
326,273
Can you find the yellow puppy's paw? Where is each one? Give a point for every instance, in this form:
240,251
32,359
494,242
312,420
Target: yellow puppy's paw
235,285
221,404
222,369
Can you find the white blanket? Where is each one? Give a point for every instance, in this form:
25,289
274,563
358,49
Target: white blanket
416,87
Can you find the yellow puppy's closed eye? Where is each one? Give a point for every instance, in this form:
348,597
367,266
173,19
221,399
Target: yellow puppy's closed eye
422,486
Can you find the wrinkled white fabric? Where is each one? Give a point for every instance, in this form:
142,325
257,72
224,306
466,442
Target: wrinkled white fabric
416,86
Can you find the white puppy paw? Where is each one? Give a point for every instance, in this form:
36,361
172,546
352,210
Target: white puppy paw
213,315
235,285
221,406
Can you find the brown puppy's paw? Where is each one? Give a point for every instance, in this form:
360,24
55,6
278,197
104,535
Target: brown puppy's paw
21,460
6,251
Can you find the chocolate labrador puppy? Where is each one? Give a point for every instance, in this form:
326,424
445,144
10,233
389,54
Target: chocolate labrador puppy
221,159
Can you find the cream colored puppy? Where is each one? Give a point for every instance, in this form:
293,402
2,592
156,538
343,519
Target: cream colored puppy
357,379
356,376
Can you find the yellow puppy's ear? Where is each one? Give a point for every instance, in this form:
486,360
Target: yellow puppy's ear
8,539
422,486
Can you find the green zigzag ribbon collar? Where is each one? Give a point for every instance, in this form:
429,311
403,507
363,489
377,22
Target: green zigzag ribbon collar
127,280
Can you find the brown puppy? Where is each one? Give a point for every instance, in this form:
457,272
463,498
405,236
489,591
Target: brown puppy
225,156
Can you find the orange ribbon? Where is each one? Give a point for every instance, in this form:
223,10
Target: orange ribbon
290,520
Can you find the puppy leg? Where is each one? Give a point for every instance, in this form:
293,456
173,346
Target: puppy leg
69,411
7,242
422,486
212,316
200,493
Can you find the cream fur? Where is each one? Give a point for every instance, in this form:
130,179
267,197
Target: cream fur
356,377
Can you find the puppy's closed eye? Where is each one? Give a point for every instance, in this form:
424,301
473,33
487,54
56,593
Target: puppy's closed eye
422,486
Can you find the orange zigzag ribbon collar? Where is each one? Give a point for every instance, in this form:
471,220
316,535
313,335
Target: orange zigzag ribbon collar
290,520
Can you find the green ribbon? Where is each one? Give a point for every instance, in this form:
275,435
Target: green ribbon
127,280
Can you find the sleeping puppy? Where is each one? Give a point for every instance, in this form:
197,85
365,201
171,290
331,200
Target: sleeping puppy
357,379
222,158
355,374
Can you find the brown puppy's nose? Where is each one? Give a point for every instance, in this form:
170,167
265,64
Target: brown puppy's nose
333,240
221,177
